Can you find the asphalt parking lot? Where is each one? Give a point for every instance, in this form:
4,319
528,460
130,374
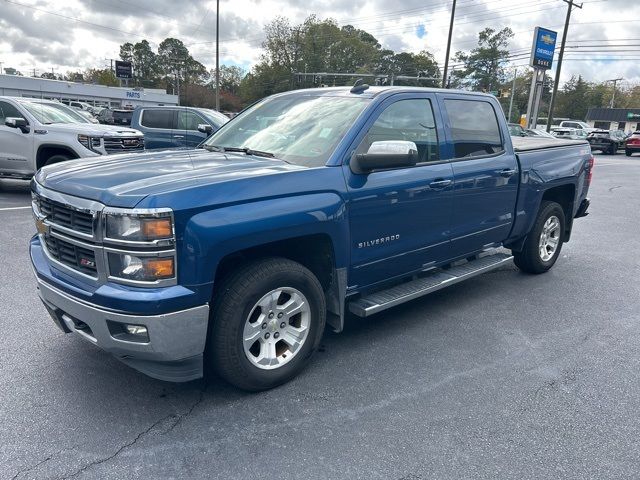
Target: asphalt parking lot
505,376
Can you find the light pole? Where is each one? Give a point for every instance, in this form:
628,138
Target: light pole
218,55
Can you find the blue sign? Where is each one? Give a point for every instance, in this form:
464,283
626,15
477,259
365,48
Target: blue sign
544,44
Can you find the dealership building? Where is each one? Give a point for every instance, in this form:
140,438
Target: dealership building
625,119
114,97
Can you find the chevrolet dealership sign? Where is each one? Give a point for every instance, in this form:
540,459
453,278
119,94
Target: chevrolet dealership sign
544,44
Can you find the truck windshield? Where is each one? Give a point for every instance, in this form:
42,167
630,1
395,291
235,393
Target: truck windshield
300,129
48,114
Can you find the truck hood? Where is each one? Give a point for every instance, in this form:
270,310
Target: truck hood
95,130
124,180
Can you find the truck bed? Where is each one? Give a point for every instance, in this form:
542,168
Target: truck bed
526,144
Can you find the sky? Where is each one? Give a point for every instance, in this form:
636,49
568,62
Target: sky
62,35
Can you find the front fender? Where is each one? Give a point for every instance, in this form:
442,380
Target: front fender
212,235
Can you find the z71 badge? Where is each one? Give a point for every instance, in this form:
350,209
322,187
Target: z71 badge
378,241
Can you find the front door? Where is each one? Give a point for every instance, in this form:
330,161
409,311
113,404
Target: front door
399,218
485,175
188,128
16,147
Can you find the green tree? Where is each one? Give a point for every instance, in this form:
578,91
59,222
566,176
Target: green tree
101,77
482,69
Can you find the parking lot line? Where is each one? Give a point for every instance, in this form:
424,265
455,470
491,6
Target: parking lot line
15,208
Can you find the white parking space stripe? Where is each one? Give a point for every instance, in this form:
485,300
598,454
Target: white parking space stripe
14,208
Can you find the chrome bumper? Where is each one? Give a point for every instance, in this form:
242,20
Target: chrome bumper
172,352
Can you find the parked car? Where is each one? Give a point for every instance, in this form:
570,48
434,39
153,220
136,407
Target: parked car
307,205
632,144
534,132
577,124
569,133
176,127
115,117
77,104
34,133
607,141
87,115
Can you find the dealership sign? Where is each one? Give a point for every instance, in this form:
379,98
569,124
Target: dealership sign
633,116
123,69
544,44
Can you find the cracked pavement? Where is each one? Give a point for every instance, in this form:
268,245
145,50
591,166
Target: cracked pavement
504,376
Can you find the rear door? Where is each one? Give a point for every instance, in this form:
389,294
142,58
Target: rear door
399,218
485,172
16,148
158,126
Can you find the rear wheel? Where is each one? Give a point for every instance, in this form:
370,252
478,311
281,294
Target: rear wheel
544,242
267,323
627,152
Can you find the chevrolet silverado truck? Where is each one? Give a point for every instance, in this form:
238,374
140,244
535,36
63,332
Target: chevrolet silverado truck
35,133
308,205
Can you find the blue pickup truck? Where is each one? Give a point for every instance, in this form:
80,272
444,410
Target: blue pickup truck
308,205
169,127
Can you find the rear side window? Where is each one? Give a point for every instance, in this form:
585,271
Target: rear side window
158,119
8,110
475,130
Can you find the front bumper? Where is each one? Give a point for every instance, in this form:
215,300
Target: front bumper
176,341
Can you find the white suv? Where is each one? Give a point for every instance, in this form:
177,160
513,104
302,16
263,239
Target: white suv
577,125
35,133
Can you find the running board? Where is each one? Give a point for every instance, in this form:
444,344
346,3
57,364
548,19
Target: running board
379,301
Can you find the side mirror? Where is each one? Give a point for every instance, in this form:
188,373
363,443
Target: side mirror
205,128
385,155
17,122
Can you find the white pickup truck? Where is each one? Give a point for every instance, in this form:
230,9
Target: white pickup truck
35,133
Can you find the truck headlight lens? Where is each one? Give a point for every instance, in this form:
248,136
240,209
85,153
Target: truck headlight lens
88,142
139,268
136,228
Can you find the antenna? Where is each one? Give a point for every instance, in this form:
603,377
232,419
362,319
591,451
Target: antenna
359,87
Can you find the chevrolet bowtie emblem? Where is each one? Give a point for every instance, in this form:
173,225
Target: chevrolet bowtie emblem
548,39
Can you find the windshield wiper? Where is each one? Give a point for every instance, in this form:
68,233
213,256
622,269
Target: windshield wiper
245,150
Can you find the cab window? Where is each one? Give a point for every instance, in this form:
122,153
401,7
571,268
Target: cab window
475,130
8,110
409,120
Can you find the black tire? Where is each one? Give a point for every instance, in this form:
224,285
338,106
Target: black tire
529,259
236,300
627,152
613,149
57,159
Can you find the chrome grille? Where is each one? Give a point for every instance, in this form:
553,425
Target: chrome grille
74,256
123,144
65,216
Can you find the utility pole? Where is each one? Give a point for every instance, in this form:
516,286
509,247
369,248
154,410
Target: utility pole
613,97
1,63
513,90
446,59
557,80
218,55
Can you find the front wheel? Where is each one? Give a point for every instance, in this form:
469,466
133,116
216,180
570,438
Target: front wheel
627,152
544,242
267,322
613,149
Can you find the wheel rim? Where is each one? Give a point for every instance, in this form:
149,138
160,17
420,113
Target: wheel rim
277,327
549,238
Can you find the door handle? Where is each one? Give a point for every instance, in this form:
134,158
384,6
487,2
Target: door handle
507,172
178,136
440,184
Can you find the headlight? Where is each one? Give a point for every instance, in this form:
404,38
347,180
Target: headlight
140,228
128,266
90,143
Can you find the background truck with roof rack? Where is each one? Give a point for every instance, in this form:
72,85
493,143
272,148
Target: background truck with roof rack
306,206
35,133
